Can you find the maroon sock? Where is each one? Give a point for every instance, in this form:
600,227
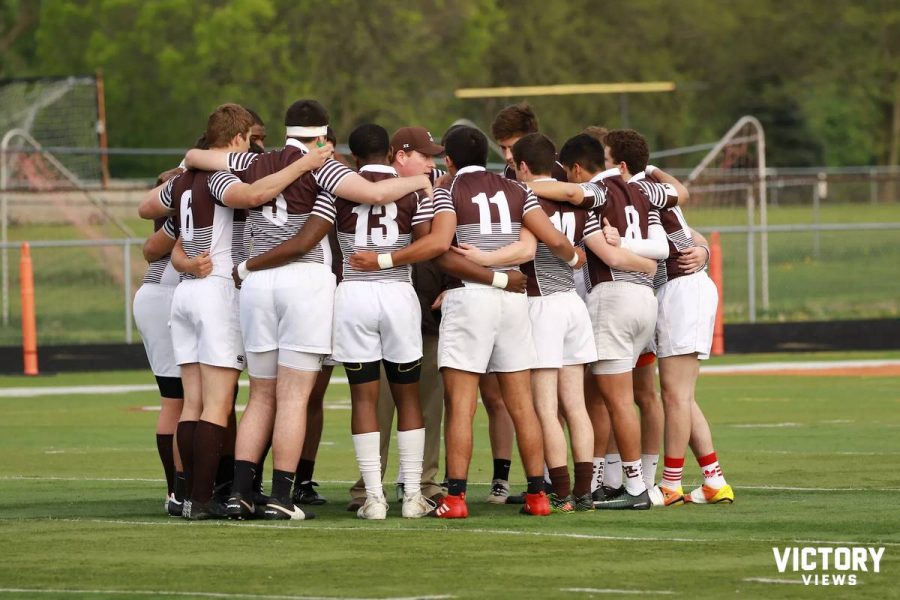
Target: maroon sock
559,479
584,471
185,434
207,451
167,457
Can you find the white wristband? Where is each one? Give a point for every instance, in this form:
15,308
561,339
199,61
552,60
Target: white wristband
242,270
385,261
500,280
574,260
648,170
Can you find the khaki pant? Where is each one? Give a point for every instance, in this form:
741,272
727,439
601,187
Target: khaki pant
431,396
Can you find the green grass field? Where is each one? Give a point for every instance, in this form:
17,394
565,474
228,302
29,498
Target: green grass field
813,461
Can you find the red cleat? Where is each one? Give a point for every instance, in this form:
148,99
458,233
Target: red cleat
452,507
536,504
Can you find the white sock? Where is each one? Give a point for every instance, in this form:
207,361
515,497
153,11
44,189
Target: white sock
612,475
547,475
411,447
634,481
648,466
597,479
368,456
712,475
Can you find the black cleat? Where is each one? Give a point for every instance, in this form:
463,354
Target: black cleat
626,502
240,508
174,507
584,503
305,493
197,511
276,510
604,493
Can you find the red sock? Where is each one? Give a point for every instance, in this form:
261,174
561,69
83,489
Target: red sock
672,470
712,472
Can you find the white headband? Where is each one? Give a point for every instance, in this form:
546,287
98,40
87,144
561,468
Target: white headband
306,132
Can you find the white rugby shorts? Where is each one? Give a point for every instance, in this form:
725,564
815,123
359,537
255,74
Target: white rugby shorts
562,332
623,315
485,330
376,320
687,316
205,324
288,307
152,308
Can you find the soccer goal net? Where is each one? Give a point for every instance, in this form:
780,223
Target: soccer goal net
728,193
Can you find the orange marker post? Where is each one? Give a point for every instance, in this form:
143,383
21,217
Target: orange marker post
715,272
29,324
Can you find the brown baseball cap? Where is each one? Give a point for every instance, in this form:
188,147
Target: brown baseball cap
414,138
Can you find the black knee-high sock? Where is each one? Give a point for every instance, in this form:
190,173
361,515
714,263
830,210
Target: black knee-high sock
304,471
185,433
260,467
501,468
167,457
207,451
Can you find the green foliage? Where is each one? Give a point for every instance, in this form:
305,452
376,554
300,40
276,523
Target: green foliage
822,77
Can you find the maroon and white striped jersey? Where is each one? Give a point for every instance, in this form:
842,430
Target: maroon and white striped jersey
489,210
160,271
282,217
388,228
680,238
205,223
629,209
547,273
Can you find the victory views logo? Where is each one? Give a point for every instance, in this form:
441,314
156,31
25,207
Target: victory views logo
828,565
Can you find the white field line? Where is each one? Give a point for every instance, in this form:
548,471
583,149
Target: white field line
812,366
770,580
796,366
764,425
65,390
612,591
775,488
202,594
450,529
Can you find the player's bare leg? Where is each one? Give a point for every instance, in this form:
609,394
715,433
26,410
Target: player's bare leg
571,402
502,434
292,390
255,429
652,419
410,439
596,409
544,386
715,489
460,388
618,394
304,486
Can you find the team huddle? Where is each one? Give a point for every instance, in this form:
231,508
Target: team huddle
551,289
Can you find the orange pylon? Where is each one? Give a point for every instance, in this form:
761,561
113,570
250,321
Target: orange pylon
715,272
29,324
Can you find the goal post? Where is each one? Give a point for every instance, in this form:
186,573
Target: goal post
730,177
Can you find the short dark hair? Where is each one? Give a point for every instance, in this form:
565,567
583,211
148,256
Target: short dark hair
227,121
537,151
257,120
306,113
596,131
369,142
329,136
466,146
516,119
583,149
630,147
448,132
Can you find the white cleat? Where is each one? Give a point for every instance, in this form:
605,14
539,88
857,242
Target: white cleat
375,509
417,506
499,492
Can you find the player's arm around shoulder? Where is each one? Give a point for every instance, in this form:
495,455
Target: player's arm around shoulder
516,253
358,189
159,244
238,194
674,192
158,202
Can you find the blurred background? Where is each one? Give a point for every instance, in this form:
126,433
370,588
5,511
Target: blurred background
804,193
